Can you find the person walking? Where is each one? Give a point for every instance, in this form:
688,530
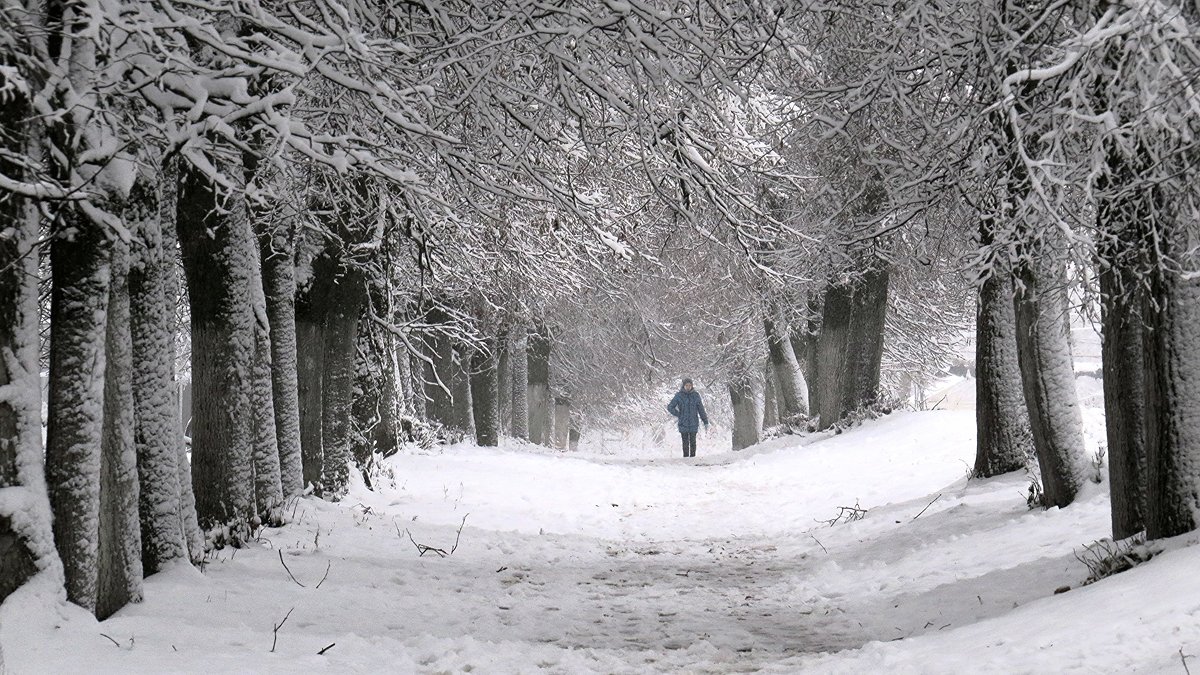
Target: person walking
689,412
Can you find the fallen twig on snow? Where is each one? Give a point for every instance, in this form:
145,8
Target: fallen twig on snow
928,505
819,543
118,644
293,576
327,648
846,514
459,534
1183,659
422,549
275,631
328,566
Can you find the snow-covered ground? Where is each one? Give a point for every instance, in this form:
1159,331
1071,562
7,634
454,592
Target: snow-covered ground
629,563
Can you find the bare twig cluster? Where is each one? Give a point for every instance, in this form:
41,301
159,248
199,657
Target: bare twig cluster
846,514
1106,557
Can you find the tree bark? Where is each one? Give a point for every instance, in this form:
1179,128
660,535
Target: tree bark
156,428
770,398
439,401
310,368
864,348
562,422
540,403
119,573
485,390
1004,441
520,384
831,353
1172,372
460,390
504,383
277,250
217,248
1048,377
745,417
26,534
346,299
268,480
791,389
1122,351
79,306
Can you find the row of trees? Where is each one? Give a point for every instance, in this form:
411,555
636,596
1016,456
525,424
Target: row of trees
513,218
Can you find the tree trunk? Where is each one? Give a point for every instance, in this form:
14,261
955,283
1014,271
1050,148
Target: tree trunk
79,305
745,417
1003,439
1048,377
770,397
485,391
26,534
520,384
790,387
540,403
346,298
188,522
562,422
831,353
156,429
417,388
1172,372
279,288
310,368
1124,397
864,346
460,390
218,250
439,401
119,537
268,485
504,383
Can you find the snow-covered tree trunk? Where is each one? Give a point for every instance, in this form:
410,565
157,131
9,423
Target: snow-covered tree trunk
831,352
1048,376
310,368
119,578
193,536
540,403
864,345
460,391
745,416
79,261
1003,440
268,485
26,535
346,298
485,390
279,287
770,398
504,386
156,426
791,389
519,345
218,252
562,422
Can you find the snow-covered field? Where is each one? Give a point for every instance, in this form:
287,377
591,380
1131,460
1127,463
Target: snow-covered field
619,563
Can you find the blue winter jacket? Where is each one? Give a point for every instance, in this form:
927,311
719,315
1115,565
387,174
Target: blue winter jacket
688,407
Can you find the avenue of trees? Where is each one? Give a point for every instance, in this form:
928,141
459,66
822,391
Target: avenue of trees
355,225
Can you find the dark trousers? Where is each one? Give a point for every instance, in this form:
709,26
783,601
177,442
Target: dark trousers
689,443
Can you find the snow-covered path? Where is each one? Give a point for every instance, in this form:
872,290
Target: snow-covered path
570,563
